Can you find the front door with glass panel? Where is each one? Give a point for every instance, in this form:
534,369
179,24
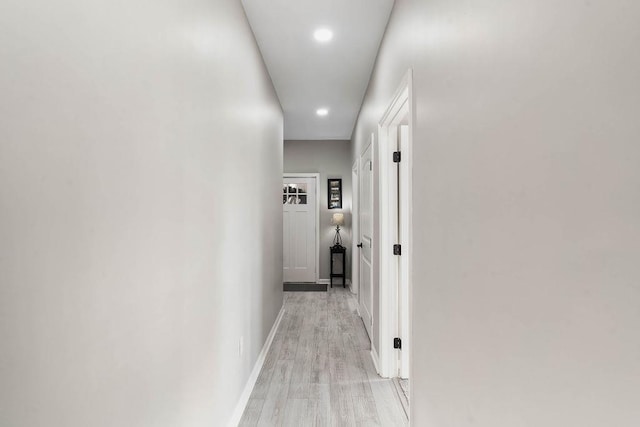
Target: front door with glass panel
299,214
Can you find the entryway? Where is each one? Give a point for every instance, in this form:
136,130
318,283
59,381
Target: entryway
300,228
384,268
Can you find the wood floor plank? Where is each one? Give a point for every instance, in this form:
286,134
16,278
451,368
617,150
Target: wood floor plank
341,406
389,408
272,413
292,338
402,389
296,414
366,413
264,378
321,408
252,413
303,365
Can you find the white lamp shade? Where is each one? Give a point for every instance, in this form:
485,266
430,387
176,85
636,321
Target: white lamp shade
337,219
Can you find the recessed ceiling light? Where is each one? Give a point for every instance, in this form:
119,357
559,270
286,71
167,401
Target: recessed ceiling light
322,112
323,35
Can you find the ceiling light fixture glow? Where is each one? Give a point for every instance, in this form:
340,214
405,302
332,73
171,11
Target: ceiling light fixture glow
322,112
323,35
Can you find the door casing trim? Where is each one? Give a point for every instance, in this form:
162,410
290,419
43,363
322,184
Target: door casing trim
401,106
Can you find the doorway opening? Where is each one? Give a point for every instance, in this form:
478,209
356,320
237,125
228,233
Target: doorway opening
300,207
395,224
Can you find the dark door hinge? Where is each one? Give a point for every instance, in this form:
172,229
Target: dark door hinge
396,157
397,249
397,343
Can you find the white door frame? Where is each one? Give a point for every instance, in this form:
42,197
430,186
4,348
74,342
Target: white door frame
317,177
355,228
394,271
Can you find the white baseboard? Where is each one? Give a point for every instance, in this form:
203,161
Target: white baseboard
374,357
251,382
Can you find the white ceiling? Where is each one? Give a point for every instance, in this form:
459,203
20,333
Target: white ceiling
309,75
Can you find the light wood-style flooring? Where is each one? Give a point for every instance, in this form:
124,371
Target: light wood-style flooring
319,372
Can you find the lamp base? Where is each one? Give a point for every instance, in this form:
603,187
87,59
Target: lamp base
337,239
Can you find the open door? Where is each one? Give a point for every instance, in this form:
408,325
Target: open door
366,238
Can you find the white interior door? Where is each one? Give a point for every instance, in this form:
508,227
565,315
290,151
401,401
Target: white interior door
366,239
355,227
299,216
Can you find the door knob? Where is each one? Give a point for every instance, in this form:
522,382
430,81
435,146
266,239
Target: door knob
359,245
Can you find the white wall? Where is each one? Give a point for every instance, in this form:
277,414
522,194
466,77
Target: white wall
141,228
526,207
331,159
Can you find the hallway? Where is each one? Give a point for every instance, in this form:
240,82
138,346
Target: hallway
319,370
142,221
